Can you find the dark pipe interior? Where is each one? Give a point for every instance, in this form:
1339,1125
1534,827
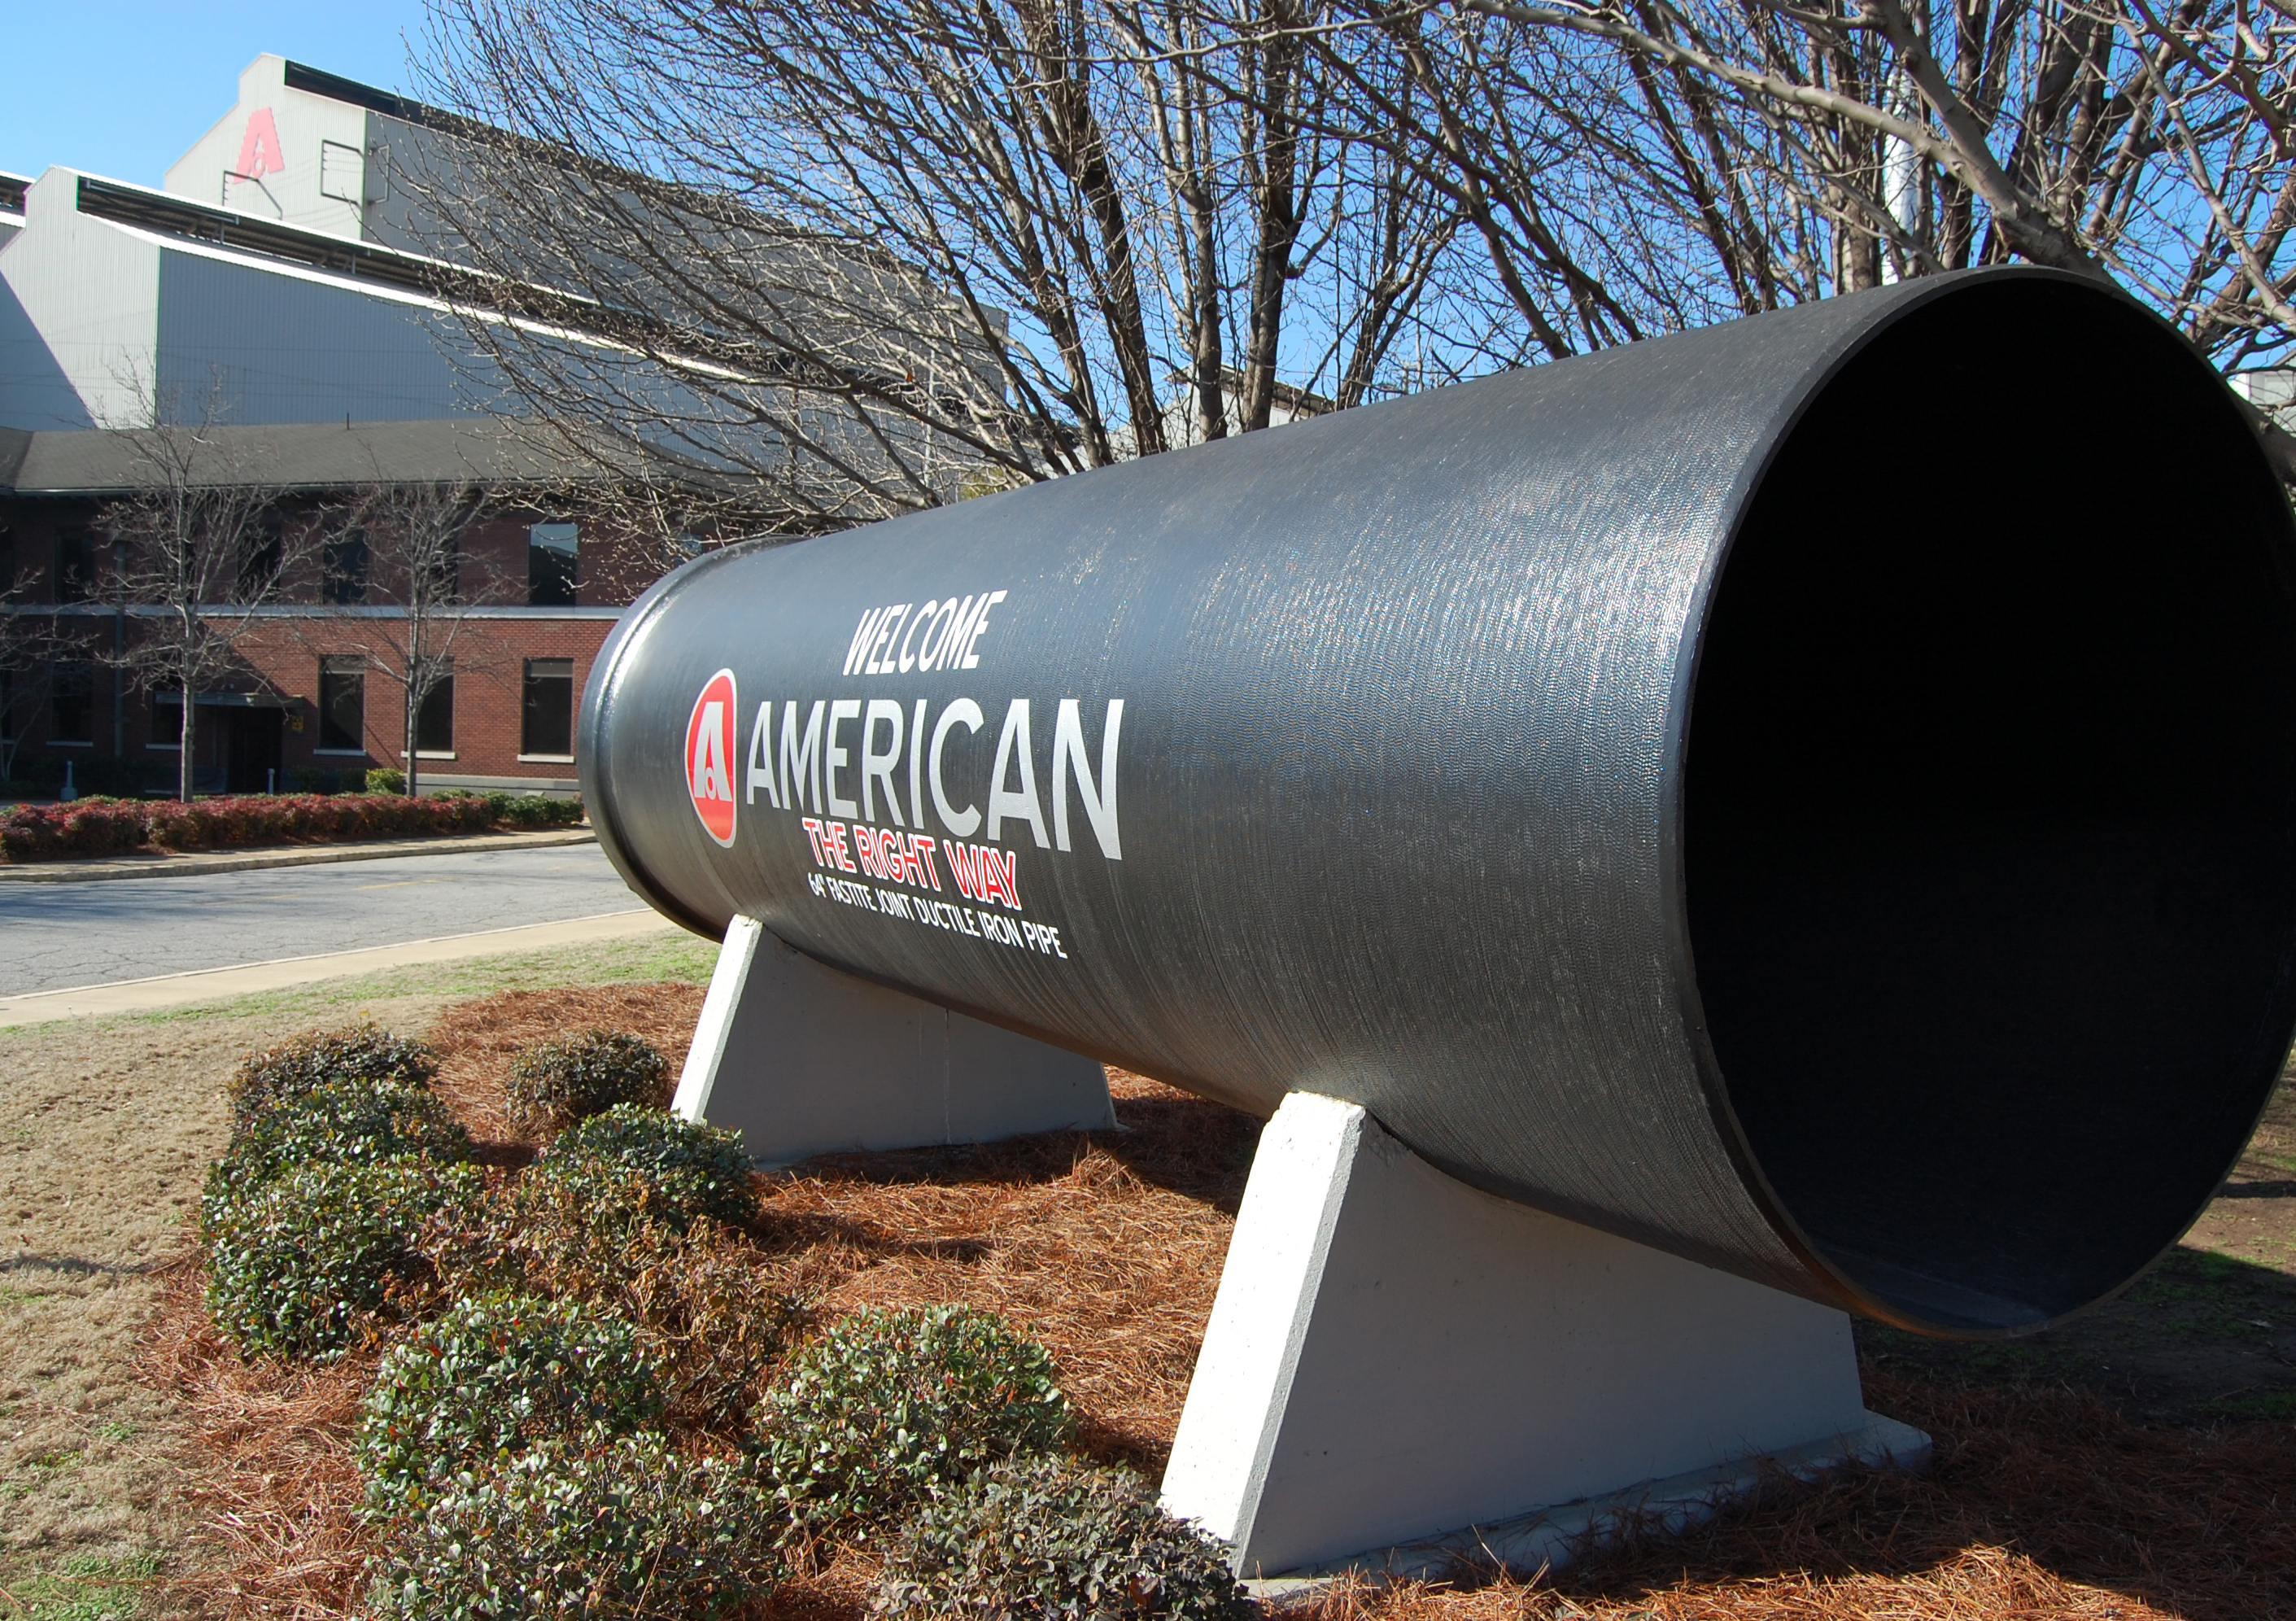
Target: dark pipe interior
1991,825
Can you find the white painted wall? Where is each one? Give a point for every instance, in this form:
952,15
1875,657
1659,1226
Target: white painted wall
306,125
86,294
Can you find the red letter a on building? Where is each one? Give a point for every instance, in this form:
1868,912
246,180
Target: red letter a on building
259,150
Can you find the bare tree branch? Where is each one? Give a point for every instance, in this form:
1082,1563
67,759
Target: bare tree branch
201,547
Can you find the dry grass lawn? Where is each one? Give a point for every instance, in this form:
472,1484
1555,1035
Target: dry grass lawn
2056,1493
104,1137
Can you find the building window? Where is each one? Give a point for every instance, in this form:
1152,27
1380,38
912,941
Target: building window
548,730
167,718
262,554
343,560
71,703
75,579
342,706
446,569
434,722
553,556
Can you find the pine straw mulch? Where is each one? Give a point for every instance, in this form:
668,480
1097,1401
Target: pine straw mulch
478,1040
2041,1503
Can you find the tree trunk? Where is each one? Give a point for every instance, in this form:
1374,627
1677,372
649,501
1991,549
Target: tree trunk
1277,205
186,734
413,715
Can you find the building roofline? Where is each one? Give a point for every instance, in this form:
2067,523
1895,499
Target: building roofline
293,458
714,206
452,287
177,216
335,88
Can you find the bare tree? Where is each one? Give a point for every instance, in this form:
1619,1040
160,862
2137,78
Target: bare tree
1636,166
199,551
405,541
847,261
902,250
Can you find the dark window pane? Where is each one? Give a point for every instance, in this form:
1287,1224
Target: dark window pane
342,703
345,566
553,561
166,714
71,703
260,554
75,578
446,568
434,722
549,721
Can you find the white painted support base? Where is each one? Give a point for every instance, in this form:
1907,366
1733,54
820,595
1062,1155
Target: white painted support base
802,1060
1399,1369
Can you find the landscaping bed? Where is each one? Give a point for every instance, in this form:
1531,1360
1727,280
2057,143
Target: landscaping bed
2065,1486
100,826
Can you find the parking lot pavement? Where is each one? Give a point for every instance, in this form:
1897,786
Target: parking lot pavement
54,935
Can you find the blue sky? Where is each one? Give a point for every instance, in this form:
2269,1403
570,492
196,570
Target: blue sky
121,88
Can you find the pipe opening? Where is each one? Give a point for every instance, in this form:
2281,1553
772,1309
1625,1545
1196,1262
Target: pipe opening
1989,825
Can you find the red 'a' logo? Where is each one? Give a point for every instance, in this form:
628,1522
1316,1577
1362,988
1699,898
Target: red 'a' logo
710,757
258,149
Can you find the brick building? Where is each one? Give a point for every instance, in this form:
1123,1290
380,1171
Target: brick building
312,703
281,292
280,289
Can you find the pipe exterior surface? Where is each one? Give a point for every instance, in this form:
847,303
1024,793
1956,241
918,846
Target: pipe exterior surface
1368,757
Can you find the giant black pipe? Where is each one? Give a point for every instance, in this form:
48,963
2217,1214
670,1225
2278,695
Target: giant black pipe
1815,794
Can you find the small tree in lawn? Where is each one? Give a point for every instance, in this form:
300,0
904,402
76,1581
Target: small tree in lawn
414,565
200,550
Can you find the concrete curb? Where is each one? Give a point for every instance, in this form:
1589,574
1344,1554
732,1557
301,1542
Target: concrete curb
219,985
196,863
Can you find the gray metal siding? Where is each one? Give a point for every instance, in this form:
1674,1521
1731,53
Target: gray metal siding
280,349
35,393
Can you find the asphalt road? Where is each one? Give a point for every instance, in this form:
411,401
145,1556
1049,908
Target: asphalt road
57,935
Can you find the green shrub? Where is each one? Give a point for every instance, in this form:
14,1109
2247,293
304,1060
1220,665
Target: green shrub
294,1263
492,1377
348,1123
533,809
357,1052
1043,1539
682,1170
888,1407
386,779
553,1085
626,1529
710,1319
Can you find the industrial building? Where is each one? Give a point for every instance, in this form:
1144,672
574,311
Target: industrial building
274,292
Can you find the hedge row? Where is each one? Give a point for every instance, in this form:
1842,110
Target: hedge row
101,827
